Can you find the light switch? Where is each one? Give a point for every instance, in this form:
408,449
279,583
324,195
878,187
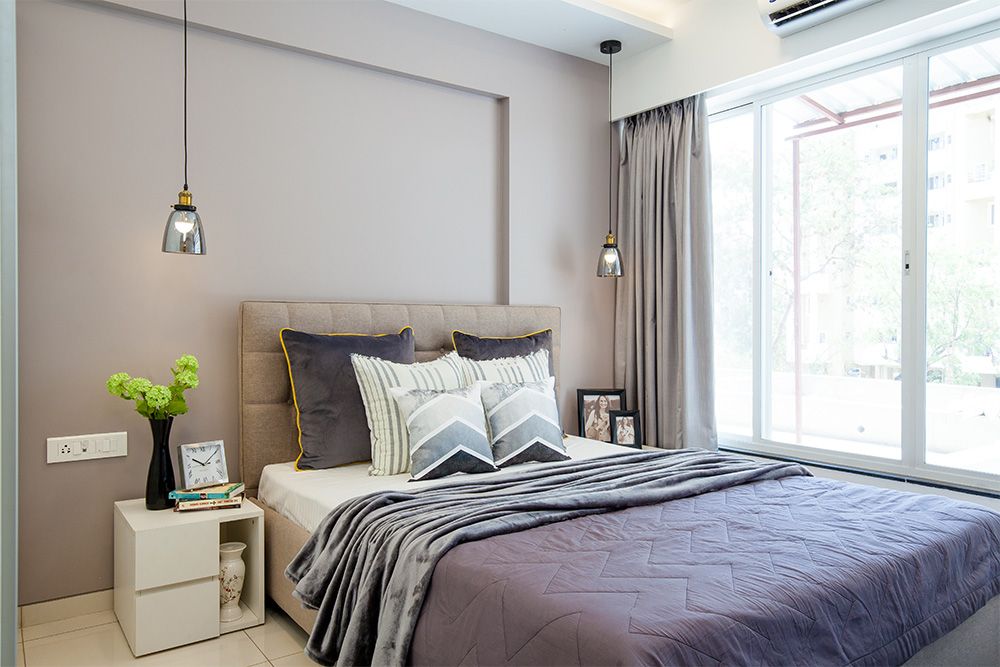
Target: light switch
84,447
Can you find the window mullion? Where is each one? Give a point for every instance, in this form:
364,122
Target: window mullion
913,262
761,298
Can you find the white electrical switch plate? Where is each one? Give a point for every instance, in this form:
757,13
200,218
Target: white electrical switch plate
84,447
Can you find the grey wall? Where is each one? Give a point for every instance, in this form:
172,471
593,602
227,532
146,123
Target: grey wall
339,150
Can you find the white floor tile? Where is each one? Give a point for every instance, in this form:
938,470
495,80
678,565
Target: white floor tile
105,646
297,660
232,650
68,625
279,636
57,610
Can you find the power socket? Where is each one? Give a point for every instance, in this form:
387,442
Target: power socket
85,447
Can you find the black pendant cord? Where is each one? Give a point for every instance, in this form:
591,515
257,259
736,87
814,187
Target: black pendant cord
185,95
611,134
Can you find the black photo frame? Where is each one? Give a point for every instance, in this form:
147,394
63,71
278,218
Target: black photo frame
626,437
587,400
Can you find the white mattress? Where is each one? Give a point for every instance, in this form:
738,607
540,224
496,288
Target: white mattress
307,496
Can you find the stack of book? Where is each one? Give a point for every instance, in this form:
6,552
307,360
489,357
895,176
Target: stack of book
222,496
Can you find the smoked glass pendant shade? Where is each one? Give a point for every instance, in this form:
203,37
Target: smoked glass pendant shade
609,264
184,233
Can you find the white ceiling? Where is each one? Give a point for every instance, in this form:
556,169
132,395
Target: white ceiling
576,27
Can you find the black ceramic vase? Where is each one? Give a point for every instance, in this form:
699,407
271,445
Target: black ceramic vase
160,480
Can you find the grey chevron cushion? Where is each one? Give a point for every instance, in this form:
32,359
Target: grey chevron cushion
523,421
447,431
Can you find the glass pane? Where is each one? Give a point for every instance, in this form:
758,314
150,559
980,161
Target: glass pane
963,269
731,140
835,242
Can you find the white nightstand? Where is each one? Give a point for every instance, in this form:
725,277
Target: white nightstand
167,573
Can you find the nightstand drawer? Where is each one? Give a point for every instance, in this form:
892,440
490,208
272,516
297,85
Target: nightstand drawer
175,615
175,554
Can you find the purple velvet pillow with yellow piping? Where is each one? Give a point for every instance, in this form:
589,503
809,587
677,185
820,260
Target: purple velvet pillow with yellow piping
330,415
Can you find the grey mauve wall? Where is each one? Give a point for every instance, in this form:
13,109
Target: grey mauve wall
321,173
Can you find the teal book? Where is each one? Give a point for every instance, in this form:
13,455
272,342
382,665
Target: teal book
219,492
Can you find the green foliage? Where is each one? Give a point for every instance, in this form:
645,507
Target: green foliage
158,401
960,318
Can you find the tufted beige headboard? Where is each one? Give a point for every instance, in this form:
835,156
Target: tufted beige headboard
267,417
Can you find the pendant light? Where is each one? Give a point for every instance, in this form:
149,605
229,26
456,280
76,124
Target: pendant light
609,264
184,233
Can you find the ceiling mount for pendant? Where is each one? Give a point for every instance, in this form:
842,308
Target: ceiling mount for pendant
609,47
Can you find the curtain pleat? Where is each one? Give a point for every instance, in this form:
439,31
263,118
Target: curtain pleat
663,313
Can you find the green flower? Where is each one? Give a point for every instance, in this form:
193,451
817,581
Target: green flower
157,397
136,387
187,362
187,379
116,384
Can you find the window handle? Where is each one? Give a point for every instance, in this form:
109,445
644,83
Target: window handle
906,262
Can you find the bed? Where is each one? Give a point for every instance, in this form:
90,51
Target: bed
487,604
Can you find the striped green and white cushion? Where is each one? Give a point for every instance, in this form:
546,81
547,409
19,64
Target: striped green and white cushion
390,444
533,367
447,431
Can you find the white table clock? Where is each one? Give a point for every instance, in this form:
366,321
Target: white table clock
203,464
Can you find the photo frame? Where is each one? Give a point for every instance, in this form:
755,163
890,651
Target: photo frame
626,428
594,408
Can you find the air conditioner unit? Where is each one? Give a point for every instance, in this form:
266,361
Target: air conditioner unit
787,16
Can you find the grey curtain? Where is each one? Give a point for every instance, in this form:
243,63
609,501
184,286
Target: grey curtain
663,314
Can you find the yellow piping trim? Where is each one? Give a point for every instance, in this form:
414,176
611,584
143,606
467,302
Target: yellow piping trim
291,380
454,345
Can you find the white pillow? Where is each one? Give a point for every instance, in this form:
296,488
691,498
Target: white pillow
533,367
390,443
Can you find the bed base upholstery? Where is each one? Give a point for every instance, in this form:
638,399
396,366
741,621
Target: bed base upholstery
282,540
268,434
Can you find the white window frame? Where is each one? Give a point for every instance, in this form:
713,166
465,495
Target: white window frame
912,463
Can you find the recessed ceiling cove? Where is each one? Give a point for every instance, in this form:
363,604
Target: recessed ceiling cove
576,27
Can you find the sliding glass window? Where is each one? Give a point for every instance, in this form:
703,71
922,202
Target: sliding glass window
834,220
857,266
963,259
732,147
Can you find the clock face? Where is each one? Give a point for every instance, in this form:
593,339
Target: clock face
203,464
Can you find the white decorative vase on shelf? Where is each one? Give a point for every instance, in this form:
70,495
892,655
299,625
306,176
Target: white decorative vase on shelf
231,572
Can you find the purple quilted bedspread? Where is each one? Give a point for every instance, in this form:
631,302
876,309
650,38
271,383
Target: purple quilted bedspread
795,571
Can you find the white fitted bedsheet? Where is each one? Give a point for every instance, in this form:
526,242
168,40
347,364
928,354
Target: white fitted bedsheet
307,496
